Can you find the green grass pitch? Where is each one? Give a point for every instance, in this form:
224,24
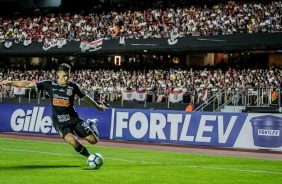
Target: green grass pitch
36,162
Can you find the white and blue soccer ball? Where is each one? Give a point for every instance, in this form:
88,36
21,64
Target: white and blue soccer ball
95,161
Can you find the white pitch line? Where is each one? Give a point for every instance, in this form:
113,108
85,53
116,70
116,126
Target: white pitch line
153,163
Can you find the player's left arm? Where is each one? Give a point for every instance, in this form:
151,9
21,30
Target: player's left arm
93,103
81,94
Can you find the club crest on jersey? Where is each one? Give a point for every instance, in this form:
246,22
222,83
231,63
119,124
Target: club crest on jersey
69,92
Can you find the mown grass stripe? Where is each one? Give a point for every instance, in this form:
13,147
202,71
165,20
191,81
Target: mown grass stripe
153,163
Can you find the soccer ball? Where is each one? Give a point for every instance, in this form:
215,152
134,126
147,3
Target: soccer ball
95,161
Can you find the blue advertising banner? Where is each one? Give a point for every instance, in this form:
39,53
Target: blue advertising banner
37,119
238,130
196,128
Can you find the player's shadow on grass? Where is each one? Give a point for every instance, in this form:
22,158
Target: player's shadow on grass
36,167
89,169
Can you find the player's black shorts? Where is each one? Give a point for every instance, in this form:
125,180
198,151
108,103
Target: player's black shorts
79,128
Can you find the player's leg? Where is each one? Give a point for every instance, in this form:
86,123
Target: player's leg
66,133
92,139
71,139
83,130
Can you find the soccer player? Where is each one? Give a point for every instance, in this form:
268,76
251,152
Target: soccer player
66,120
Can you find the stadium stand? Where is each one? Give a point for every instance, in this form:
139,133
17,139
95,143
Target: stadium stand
151,20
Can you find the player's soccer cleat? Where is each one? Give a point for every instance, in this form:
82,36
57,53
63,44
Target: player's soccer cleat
93,125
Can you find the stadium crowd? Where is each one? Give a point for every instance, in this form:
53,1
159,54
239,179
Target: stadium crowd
109,84
158,21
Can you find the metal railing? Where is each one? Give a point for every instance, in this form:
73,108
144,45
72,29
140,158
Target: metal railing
233,98
249,96
208,101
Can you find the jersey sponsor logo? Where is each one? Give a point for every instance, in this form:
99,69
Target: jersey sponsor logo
61,102
31,121
63,117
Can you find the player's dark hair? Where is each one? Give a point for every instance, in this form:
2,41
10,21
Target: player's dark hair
64,67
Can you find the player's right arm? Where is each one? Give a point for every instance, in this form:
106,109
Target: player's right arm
21,84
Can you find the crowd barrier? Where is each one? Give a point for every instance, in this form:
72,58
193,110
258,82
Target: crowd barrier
237,130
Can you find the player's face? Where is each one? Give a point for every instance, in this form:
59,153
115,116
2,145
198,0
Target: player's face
63,77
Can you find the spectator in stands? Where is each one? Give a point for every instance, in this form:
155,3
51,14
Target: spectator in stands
116,89
163,92
189,108
1,90
202,96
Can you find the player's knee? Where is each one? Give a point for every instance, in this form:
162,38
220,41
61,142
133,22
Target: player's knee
94,141
72,141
